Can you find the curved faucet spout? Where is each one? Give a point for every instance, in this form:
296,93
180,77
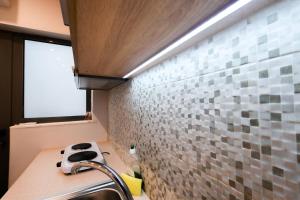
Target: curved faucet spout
121,185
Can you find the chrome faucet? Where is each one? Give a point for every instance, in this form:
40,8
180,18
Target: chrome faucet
120,184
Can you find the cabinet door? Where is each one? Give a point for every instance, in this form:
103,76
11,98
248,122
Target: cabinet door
5,105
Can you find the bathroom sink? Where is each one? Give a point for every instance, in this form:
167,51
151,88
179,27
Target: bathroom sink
105,191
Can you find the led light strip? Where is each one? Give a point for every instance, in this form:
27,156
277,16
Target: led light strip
221,15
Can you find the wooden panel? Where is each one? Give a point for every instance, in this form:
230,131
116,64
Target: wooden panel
112,37
17,80
5,78
5,105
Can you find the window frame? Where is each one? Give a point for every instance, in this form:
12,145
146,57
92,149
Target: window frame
18,81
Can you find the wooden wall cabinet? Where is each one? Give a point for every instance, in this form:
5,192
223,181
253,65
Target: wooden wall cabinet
112,37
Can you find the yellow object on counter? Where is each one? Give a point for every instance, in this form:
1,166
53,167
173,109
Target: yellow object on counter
134,184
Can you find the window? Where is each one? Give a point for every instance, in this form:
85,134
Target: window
44,88
49,86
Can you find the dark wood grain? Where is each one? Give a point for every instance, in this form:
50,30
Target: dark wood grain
5,78
5,105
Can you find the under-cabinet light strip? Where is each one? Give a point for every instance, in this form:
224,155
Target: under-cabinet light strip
221,15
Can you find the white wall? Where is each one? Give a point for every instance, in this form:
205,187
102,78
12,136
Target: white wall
41,17
26,141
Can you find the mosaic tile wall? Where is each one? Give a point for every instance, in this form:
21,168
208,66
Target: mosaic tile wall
220,120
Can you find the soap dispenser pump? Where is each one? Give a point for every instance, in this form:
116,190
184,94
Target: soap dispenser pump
132,149
135,166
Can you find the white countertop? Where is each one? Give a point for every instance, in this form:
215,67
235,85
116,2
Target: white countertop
42,179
